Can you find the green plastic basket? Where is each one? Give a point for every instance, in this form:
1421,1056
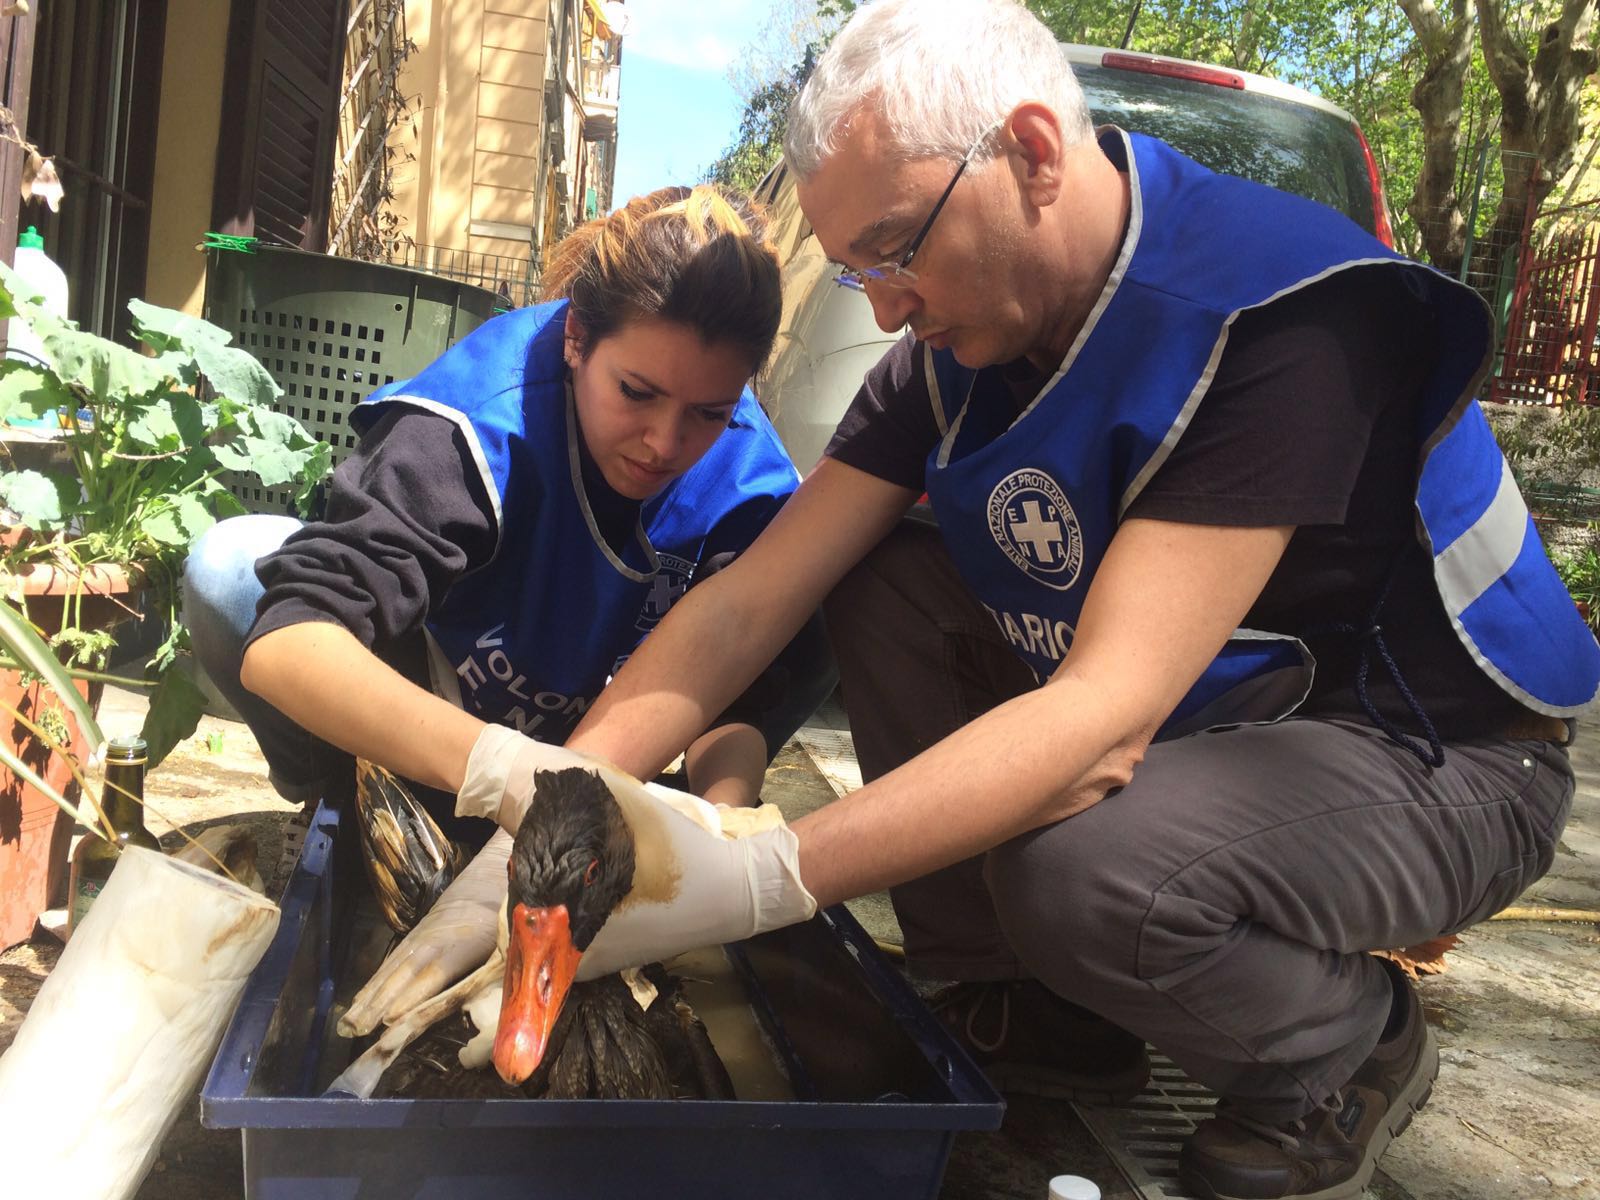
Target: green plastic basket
331,330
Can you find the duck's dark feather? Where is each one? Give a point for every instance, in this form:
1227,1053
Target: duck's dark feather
604,1047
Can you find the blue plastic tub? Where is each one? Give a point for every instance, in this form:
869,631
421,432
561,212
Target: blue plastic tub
883,1088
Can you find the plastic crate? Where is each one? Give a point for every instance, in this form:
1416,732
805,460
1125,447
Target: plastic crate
331,330
882,1088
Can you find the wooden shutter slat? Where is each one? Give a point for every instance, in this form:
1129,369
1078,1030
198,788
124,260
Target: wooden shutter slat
281,93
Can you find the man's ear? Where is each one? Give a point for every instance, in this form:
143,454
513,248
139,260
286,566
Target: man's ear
1037,151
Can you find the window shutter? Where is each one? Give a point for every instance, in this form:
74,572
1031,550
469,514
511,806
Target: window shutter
281,102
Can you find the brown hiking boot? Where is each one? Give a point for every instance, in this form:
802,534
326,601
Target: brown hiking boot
1028,1040
1331,1153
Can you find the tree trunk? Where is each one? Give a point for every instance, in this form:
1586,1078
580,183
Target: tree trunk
1540,117
1447,51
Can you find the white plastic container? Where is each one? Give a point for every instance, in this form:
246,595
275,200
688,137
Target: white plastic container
121,1033
47,281
1073,1187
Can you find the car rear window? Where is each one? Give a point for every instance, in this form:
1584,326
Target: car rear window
1289,146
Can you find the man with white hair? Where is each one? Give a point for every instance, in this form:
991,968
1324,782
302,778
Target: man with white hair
1186,438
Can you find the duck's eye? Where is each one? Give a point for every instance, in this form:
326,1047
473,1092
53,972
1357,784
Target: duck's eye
592,873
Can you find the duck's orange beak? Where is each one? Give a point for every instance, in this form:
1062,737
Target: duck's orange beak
541,962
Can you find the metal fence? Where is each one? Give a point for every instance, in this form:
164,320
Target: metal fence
514,280
1548,351
1536,267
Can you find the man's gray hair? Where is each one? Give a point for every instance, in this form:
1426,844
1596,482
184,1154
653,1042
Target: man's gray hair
940,72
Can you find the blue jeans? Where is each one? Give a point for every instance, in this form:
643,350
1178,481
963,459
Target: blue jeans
220,591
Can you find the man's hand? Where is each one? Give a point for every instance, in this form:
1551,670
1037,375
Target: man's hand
703,875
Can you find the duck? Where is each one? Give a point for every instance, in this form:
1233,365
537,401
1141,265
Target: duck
623,1036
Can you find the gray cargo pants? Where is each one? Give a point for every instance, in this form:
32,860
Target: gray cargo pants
1219,905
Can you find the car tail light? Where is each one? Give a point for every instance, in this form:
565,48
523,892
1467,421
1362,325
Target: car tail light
1174,70
1380,206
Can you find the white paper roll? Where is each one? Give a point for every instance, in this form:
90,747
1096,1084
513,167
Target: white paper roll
125,1025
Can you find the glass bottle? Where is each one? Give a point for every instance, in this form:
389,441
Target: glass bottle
123,801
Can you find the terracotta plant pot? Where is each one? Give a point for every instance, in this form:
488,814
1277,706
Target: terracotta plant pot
34,834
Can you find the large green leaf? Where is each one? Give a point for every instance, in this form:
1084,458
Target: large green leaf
154,427
104,369
8,279
274,461
275,447
234,456
318,464
168,329
168,421
278,427
174,713
225,504
179,523
41,502
234,374
29,391
190,416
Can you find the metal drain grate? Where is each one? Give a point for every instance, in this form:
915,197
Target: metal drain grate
1142,1136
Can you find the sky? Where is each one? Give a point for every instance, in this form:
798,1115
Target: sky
678,111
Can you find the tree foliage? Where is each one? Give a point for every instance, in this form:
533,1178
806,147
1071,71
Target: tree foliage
1455,97
760,139
768,74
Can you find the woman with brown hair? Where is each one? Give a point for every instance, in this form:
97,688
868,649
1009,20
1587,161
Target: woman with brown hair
519,516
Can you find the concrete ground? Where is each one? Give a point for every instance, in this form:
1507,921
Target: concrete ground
1518,1012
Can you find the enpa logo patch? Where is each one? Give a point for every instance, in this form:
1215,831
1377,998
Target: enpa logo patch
670,582
1035,527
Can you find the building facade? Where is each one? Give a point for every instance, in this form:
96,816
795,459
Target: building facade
461,136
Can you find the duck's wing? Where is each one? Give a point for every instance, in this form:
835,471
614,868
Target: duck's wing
430,1069
408,858
692,1062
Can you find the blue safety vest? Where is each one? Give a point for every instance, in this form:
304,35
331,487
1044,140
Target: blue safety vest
1029,505
529,639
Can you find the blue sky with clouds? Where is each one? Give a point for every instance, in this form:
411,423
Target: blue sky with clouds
678,111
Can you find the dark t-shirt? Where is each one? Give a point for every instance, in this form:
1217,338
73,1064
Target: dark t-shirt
1310,422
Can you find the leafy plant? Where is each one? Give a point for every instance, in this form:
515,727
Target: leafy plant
147,437
1579,569
1548,445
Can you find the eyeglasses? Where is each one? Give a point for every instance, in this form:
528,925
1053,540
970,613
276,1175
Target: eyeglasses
896,274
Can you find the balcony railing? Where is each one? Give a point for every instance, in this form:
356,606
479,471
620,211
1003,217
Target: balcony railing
601,88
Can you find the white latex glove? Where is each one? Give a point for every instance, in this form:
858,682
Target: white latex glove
499,778
703,875
454,937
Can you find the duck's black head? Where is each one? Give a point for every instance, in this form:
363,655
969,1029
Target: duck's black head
571,863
